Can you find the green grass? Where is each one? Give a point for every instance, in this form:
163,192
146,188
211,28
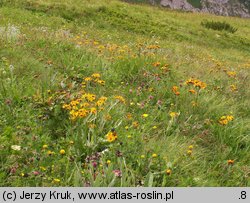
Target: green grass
49,47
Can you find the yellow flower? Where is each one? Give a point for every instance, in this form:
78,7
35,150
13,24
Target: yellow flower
93,110
42,168
96,75
155,127
56,180
120,99
173,114
233,88
108,162
129,136
71,142
62,151
142,156
189,152
50,153
45,146
224,120
66,106
190,147
111,136
154,155
168,172
231,73
87,79
144,115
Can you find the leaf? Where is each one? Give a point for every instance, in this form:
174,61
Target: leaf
151,179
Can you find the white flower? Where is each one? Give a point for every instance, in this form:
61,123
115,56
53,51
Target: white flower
16,147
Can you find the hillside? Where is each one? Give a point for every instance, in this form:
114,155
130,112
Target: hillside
240,8
109,93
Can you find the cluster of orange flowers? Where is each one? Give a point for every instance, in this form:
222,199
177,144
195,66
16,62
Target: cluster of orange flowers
196,83
175,90
87,103
224,120
82,107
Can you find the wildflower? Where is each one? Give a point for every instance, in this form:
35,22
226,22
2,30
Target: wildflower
108,162
50,153
45,146
82,113
126,127
155,127
231,73
192,91
189,152
154,155
173,114
71,142
93,110
144,115
101,82
129,116
129,136
175,90
156,64
56,180
16,147
36,173
96,75
224,120
25,175
135,124
230,162
62,151
94,164
42,168
89,97
117,173
142,156
196,83
66,106
168,172
233,88
120,99
190,147
87,79
111,136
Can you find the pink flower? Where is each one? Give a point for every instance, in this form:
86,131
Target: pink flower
150,97
94,164
36,173
117,173
159,102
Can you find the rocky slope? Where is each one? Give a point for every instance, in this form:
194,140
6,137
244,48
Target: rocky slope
240,8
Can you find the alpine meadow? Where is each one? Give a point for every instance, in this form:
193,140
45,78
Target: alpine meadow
108,93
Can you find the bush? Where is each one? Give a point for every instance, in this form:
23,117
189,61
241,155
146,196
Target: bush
219,26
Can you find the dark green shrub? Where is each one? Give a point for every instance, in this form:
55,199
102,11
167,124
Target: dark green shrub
216,25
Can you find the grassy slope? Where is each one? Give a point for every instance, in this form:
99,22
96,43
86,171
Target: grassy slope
29,119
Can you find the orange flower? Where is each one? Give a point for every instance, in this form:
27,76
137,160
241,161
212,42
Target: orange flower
230,162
